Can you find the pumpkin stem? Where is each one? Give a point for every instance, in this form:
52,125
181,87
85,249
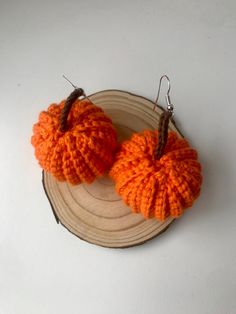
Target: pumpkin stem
67,107
162,133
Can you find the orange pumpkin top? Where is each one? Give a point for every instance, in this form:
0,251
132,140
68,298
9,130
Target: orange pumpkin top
81,152
157,188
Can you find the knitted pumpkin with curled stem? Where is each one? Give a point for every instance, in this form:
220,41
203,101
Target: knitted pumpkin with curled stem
157,173
74,140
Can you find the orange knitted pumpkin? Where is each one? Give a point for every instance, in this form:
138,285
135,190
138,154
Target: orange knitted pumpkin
157,188
75,143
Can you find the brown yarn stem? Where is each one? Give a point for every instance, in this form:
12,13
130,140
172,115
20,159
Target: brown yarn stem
67,107
162,134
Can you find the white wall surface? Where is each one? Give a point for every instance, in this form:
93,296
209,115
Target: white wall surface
126,45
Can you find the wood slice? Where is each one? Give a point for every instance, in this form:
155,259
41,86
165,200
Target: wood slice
95,212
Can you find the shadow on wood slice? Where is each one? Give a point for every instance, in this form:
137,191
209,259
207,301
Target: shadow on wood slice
94,212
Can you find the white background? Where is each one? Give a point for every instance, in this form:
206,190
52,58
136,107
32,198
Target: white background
124,45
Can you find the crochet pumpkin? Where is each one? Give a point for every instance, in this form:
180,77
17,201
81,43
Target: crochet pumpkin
74,140
157,187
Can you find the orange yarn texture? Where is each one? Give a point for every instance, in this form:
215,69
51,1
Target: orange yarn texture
157,188
81,153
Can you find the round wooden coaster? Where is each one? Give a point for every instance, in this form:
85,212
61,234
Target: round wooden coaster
94,212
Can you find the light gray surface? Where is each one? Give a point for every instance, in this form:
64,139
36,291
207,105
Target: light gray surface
125,45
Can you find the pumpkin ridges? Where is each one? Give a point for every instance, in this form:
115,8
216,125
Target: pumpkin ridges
81,169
